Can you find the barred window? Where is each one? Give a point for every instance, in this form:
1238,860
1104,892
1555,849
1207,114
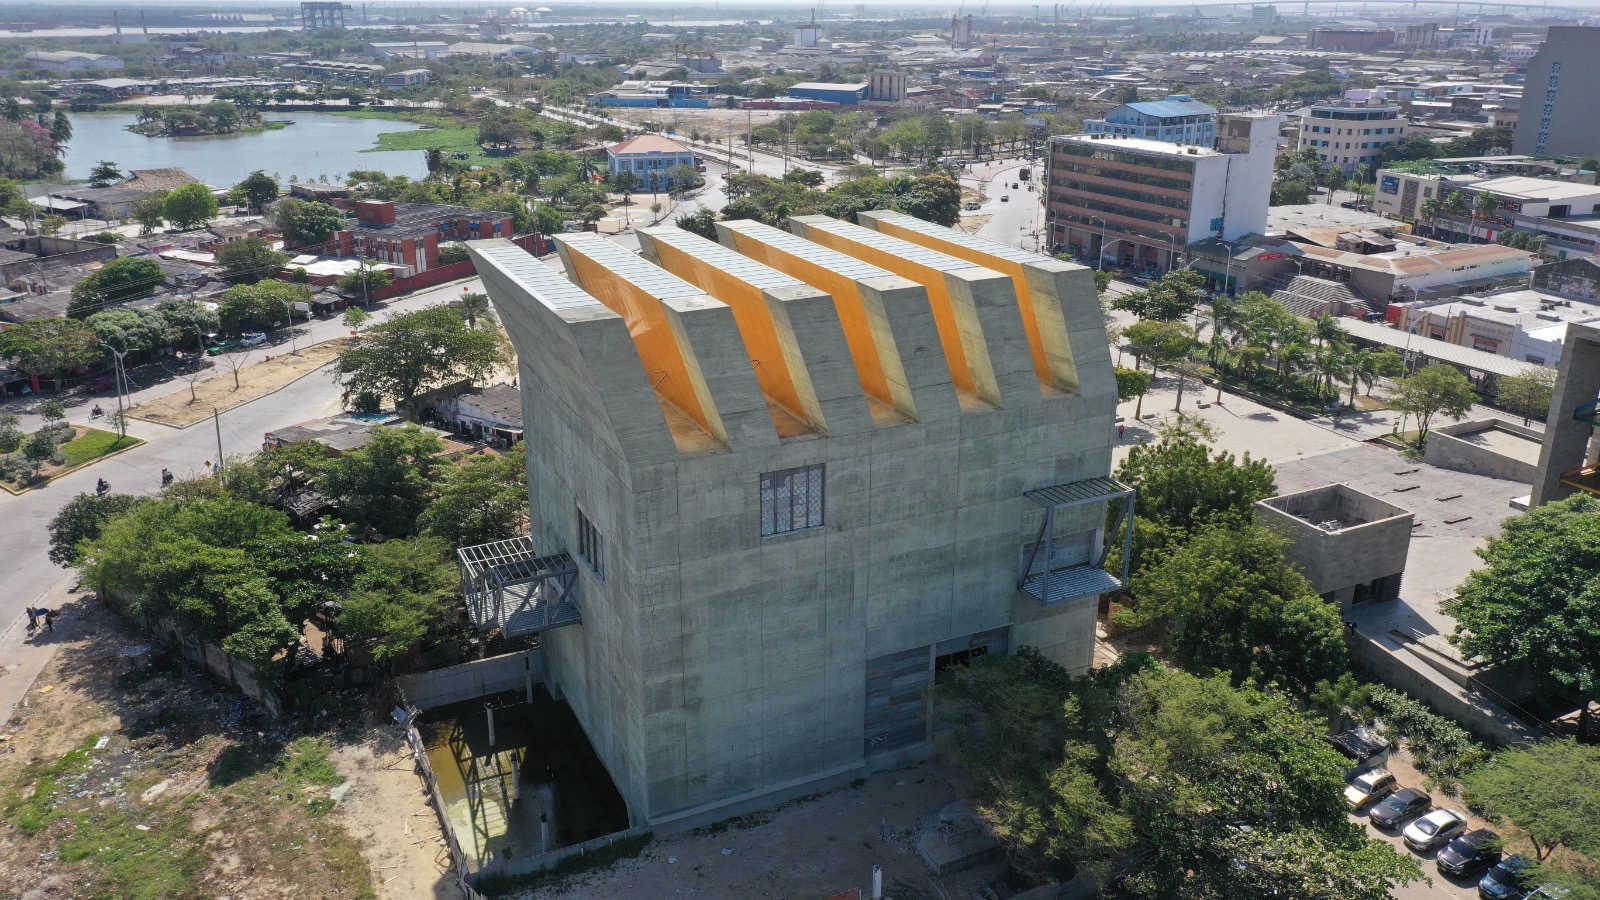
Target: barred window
791,499
591,546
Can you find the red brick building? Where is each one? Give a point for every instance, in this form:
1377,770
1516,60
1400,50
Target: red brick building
410,234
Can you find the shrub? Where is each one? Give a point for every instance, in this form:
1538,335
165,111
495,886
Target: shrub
1438,746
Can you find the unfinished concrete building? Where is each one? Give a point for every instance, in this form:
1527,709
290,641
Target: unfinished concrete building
1351,546
780,483
1569,460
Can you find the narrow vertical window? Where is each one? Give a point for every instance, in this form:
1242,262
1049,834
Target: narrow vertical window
791,500
591,546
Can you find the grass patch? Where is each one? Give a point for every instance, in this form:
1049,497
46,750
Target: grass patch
33,813
565,867
305,761
94,445
162,859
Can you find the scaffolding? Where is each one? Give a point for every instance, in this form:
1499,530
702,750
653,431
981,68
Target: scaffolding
510,588
1053,577
322,15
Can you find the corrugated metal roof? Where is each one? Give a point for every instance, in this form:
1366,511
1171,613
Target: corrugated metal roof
736,264
833,260
547,285
1074,493
1443,351
1166,109
922,256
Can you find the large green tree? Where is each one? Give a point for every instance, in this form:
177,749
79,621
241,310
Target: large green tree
1184,486
415,351
261,304
50,347
1550,791
1528,394
1180,787
1226,599
404,595
250,260
306,221
1169,299
481,499
1436,390
119,279
80,521
150,211
1536,601
190,206
255,191
385,485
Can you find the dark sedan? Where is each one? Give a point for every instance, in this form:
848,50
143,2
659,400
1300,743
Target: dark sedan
1469,853
1506,881
1398,807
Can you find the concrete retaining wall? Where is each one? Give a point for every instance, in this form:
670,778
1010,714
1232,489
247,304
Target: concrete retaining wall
474,679
1487,722
1448,449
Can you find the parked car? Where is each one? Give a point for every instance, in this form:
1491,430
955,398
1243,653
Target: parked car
221,347
1507,880
253,339
1369,786
103,383
1350,204
1434,829
1005,198
1398,807
1469,853
970,206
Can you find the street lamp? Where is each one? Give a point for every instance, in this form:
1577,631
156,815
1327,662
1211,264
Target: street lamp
1102,264
293,351
1172,252
1227,269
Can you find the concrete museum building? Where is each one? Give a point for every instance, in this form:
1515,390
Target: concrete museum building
780,483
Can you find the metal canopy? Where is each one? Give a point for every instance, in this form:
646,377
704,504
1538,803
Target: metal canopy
1051,583
510,588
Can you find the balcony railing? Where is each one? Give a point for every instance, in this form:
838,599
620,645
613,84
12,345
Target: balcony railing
1047,578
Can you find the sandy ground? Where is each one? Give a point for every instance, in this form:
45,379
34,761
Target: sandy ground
809,849
386,810
276,368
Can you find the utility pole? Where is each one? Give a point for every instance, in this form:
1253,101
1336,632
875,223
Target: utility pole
216,419
119,376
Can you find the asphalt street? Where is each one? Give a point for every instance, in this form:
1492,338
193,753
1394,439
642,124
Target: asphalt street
29,575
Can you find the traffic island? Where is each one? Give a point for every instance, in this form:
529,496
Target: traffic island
86,447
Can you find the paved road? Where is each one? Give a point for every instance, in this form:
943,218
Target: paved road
28,574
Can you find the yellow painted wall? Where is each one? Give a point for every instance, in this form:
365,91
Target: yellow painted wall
762,341
863,331
660,347
1037,341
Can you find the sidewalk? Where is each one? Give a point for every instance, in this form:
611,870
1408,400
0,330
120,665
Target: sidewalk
26,655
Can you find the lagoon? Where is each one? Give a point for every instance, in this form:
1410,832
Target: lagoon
316,144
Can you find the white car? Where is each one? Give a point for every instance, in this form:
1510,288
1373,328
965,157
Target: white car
253,339
1434,830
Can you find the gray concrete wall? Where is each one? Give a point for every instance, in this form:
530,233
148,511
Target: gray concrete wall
1357,554
453,684
713,663
1567,440
1449,448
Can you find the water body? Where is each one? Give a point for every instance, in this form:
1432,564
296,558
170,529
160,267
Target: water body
316,144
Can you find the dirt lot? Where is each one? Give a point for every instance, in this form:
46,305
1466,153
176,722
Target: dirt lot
808,849
261,374
158,783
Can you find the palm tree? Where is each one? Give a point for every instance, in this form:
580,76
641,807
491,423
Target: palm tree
1484,206
474,307
1430,212
433,157
1328,362
12,110
1360,366
1454,205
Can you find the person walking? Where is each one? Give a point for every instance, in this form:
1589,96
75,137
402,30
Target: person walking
49,619
1120,430
33,619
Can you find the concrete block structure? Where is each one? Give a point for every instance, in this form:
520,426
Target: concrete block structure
1351,546
1569,461
1488,447
789,478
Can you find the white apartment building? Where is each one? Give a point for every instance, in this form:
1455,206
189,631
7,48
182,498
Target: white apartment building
1348,133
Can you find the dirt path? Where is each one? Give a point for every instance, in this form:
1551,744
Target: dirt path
387,811
255,380
812,848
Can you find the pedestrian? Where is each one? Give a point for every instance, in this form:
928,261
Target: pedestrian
33,619
49,619
1120,430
